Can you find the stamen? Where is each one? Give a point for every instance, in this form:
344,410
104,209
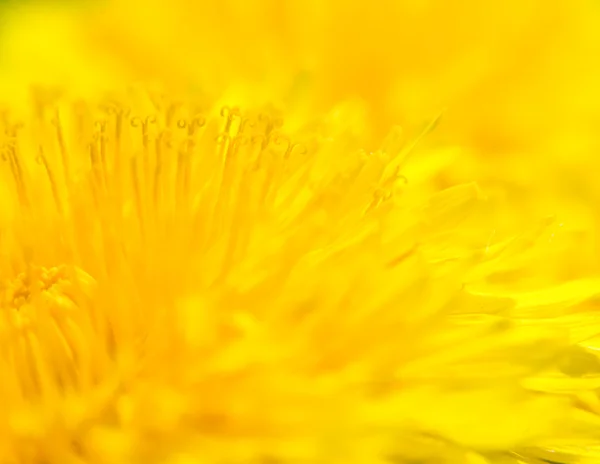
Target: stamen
279,140
145,181
260,142
94,175
101,138
184,169
137,190
231,114
62,147
246,122
144,124
41,159
298,148
271,124
163,139
11,155
120,113
171,112
196,123
95,163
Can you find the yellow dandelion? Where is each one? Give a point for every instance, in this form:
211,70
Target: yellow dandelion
185,282
234,265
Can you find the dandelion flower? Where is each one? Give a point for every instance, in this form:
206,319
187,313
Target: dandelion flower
186,282
232,270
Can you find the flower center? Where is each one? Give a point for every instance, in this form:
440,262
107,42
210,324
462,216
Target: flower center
45,332
33,284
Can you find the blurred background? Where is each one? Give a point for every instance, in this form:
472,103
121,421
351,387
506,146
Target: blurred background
511,75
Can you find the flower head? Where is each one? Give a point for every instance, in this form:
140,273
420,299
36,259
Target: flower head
234,265
185,281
